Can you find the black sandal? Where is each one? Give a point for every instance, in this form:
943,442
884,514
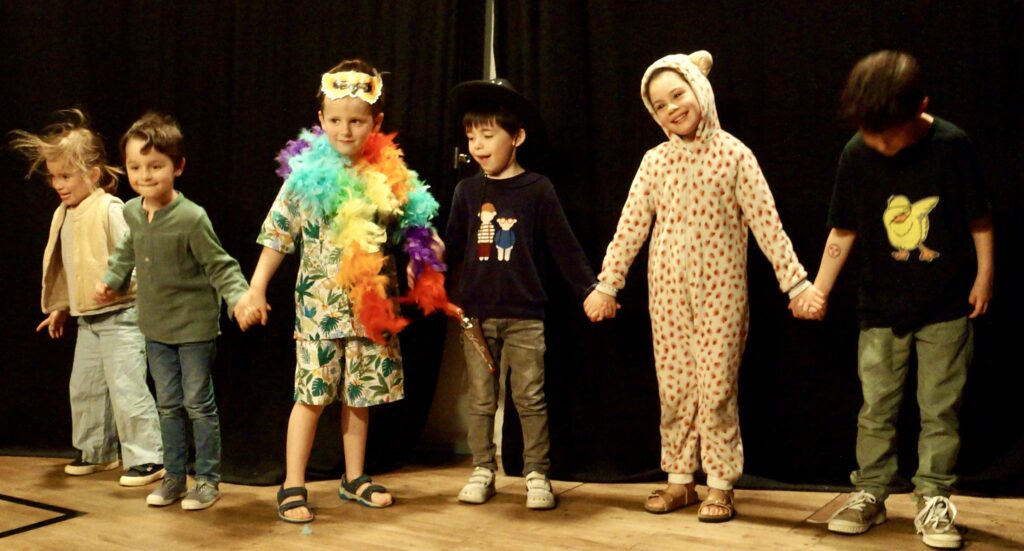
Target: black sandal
348,491
285,493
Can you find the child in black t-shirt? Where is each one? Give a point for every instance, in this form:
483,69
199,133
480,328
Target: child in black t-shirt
908,189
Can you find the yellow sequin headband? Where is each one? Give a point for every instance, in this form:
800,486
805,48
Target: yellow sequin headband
352,84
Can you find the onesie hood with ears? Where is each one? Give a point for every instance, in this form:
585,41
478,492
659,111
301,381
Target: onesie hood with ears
694,69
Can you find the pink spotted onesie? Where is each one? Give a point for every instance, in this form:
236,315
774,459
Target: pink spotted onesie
702,196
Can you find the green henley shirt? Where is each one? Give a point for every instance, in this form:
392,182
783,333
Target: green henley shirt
182,271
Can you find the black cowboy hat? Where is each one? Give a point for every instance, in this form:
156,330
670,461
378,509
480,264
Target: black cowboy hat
488,95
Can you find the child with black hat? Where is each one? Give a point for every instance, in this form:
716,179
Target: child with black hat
516,211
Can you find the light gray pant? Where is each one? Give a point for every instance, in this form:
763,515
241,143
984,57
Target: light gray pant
109,395
944,353
521,343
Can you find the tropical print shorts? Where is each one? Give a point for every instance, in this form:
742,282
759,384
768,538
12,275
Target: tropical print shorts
355,371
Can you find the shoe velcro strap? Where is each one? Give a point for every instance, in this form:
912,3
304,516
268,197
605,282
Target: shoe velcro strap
538,484
482,478
285,507
285,493
372,489
353,485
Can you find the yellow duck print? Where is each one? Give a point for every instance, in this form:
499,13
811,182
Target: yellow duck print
907,226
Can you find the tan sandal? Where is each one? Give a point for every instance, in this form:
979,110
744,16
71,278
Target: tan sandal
725,502
670,502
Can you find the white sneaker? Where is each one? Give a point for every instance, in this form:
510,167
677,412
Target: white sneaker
934,521
480,487
538,492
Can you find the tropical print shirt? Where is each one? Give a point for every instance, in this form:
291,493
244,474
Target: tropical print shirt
322,308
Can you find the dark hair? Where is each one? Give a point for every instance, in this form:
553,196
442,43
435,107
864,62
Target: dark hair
160,131
498,114
360,66
884,89
658,71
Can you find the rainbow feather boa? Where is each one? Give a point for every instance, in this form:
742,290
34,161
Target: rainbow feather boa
361,201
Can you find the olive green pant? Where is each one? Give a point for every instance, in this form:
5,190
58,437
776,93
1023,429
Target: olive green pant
944,353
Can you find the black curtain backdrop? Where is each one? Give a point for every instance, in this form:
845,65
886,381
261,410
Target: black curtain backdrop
241,78
779,68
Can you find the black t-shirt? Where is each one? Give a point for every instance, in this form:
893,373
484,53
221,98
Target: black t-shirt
911,213
500,232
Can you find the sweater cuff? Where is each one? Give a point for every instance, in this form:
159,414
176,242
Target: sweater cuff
798,288
111,280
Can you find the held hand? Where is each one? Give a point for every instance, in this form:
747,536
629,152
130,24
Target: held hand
599,306
103,293
55,323
437,245
981,296
251,309
811,304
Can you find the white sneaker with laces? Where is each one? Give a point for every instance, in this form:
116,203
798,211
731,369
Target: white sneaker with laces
480,487
935,522
538,492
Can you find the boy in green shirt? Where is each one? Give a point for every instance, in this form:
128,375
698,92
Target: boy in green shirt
182,272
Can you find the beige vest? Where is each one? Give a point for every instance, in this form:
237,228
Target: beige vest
91,249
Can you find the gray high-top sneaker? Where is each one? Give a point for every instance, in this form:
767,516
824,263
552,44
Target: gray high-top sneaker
201,496
170,490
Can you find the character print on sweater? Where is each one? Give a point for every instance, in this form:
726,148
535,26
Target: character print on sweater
485,235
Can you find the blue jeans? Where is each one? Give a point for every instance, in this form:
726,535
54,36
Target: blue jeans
183,384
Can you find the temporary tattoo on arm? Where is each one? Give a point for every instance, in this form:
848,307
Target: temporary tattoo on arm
834,250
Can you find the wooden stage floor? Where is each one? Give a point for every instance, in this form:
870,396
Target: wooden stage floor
42,508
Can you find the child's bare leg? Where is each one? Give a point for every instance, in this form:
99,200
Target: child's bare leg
301,431
355,423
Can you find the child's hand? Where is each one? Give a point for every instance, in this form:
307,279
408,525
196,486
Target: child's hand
981,295
599,306
251,309
103,293
55,323
809,305
410,276
438,247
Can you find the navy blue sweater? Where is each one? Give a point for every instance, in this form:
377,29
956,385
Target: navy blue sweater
501,233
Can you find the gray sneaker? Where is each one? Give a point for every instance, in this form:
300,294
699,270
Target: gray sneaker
170,490
201,496
860,512
934,521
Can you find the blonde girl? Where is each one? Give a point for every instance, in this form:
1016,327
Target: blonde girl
110,401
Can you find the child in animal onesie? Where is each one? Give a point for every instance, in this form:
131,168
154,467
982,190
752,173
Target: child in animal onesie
702,190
